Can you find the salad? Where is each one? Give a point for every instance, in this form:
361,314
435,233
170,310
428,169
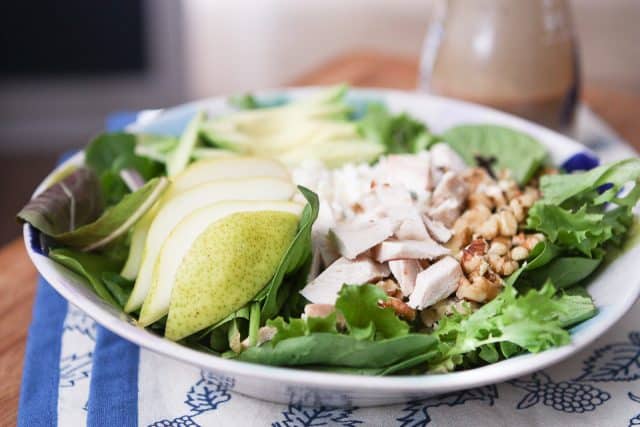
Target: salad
334,235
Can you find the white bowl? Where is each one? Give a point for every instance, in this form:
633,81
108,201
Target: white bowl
614,289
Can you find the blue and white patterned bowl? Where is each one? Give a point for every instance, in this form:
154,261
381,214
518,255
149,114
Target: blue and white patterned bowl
614,289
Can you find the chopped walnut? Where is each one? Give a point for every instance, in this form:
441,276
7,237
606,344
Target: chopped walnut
480,289
390,287
400,307
446,307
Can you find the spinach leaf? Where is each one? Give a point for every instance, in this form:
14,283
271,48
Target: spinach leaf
563,272
119,287
329,349
298,254
513,150
90,266
72,202
115,221
109,153
365,319
542,254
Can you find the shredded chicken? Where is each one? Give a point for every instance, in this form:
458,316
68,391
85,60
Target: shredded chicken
436,283
398,223
324,288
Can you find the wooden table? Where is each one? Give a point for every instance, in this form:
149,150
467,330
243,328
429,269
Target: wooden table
18,277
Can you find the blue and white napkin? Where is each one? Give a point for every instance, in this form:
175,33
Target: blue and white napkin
77,373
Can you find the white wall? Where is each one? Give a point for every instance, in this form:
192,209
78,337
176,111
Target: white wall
243,44
235,45
201,48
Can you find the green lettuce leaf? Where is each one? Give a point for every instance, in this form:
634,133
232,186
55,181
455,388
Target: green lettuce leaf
398,133
557,189
116,220
512,150
302,327
365,318
579,306
533,322
296,257
579,230
72,202
109,153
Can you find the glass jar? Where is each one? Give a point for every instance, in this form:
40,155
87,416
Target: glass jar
516,56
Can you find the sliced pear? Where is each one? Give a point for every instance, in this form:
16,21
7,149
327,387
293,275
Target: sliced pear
196,173
178,159
335,153
224,168
175,210
180,240
136,246
225,267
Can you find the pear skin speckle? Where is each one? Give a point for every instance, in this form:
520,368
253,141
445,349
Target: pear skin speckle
227,265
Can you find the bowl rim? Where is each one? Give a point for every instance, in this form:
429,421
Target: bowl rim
433,383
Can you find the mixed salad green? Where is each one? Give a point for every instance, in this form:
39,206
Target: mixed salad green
93,219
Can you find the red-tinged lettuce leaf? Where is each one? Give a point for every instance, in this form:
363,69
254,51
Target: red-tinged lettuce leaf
69,211
116,220
72,202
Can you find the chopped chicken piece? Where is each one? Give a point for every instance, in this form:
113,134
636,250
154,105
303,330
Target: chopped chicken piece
451,186
352,239
393,196
437,230
324,288
318,310
405,272
412,171
412,227
409,249
436,283
390,287
443,157
446,212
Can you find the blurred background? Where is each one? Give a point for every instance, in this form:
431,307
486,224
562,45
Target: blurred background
67,65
